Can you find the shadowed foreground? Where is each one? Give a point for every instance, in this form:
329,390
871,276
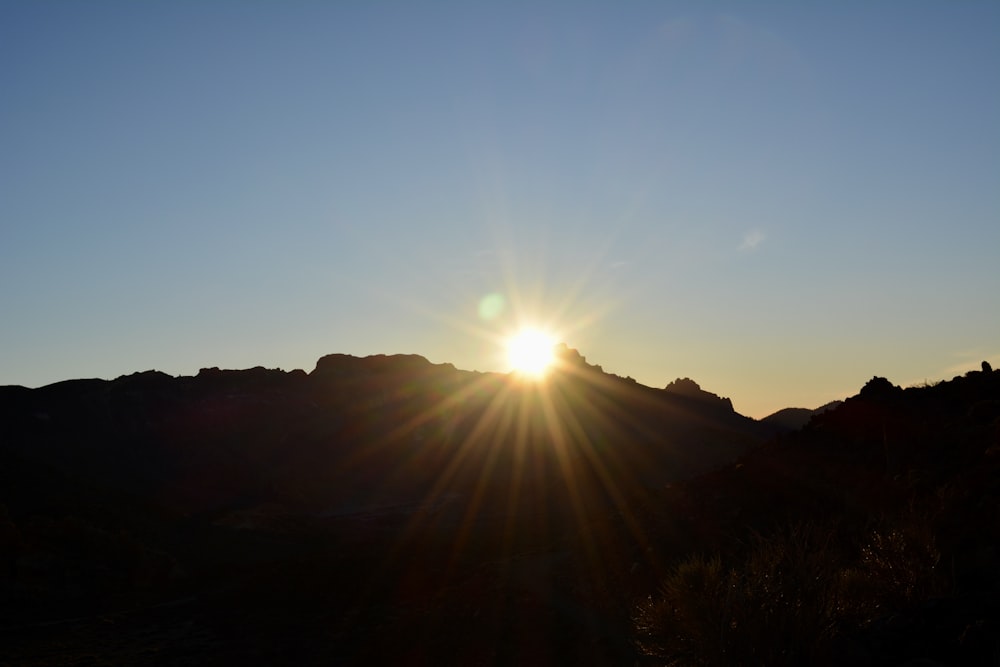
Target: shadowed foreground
389,510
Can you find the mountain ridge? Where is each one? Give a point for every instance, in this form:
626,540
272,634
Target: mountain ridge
389,494
792,419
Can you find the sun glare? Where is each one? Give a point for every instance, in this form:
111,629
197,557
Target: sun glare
531,352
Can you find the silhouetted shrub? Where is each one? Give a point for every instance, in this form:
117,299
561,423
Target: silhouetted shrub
775,606
902,562
789,595
898,567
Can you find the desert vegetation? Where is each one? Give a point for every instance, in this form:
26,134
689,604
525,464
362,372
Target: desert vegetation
841,553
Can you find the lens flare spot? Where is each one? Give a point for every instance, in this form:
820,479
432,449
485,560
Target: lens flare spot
491,306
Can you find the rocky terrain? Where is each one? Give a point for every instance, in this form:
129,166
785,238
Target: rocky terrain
374,499
390,510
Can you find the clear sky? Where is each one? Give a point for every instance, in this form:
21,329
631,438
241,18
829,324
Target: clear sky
778,200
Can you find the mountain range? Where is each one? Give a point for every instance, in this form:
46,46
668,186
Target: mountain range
386,509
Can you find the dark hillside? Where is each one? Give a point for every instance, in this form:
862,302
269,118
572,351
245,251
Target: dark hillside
891,501
390,510
383,496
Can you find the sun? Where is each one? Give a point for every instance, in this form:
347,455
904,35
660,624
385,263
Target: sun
531,352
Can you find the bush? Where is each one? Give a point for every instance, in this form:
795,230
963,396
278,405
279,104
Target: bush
897,568
775,606
785,597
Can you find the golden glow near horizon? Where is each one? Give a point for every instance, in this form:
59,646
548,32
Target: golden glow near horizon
531,352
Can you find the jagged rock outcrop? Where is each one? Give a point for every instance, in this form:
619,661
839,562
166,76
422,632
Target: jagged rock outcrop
879,388
690,389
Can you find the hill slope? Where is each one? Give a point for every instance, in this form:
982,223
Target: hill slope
875,528
792,419
412,490
387,509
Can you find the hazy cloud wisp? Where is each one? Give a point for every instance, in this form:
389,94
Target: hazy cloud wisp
751,240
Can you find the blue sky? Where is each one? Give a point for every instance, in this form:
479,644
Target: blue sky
776,200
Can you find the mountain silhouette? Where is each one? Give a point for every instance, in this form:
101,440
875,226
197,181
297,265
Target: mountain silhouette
356,430
889,501
387,509
792,419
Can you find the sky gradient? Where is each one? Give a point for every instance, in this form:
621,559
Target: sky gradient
777,200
